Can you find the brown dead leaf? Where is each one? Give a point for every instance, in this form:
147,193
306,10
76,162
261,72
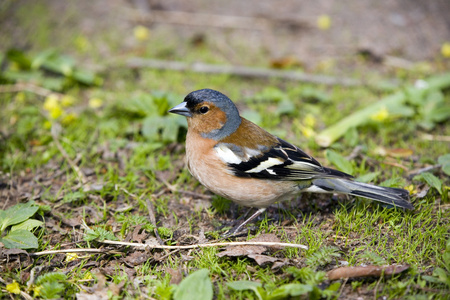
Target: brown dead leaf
175,275
253,251
396,152
366,271
137,258
285,62
250,249
138,237
263,259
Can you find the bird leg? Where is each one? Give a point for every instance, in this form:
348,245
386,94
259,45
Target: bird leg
252,217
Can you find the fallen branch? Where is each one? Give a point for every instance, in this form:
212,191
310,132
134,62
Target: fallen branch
75,250
437,138
151,246
184,18
200,67
367,271
28,87
61,149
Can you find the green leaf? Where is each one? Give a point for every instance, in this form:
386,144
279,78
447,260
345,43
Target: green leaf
446,169
433,181
243,285
444,159
339,161
98,234
291,290
21,239
19,58
17,214
29,225
196,286
368,177
42,57
252,115
73,196
51,290
49,277
285,107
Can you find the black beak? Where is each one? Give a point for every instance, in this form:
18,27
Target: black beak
181,109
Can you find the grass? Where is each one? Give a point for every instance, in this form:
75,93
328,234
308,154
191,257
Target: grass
129,166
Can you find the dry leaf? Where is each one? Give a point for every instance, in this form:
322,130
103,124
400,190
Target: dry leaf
137,258
175,275
262,259
366,271
396,152
253,251
250,249
138,237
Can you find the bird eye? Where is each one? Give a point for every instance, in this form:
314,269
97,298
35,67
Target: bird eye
204,109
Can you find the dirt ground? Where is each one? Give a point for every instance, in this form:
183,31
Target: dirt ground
409,30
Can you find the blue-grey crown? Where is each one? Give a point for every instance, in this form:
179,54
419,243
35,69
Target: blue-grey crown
221,101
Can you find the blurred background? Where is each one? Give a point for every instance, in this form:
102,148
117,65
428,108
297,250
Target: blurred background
85,86
311,35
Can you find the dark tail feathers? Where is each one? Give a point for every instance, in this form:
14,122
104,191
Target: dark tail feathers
392,196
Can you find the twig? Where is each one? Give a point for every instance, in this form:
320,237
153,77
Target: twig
151,214
77,170
75,250
268,244
439,138
200,67
201,19
20,87
423,170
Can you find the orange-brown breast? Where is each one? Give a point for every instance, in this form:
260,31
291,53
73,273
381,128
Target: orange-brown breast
213,173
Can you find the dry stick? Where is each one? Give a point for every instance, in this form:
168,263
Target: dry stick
268,244
75,250
77,170
240,71
438,138
204,20
151,214
20,87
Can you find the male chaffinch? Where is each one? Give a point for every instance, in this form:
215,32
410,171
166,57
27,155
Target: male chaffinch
240,161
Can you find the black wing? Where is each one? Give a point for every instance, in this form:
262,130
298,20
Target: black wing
283,162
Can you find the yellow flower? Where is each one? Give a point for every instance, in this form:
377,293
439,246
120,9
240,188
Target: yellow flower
51,101
380,115
95,102
411,189
87,276
56,112
13,287
141,33
69,118
20,97
47,124
71,256
307,131
37,290
82,43
309,120
324,22
445,49
67,100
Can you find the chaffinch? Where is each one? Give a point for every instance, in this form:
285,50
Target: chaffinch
242,162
